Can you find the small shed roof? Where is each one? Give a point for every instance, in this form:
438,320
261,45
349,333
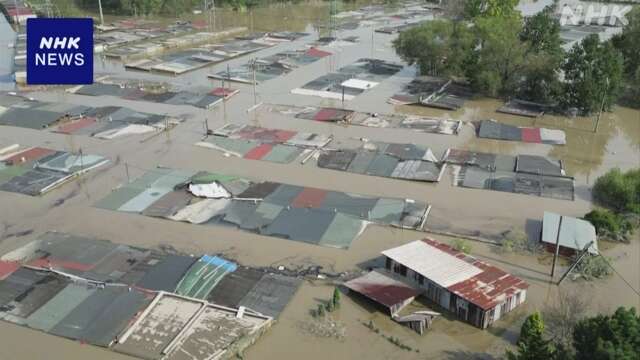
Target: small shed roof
382,288
574,233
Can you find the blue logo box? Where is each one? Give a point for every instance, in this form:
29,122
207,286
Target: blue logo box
59,51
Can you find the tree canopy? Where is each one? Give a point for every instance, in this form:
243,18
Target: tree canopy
603,337
502,55
496,66
619,190
593,73
608,337
531,344
438,47
491,8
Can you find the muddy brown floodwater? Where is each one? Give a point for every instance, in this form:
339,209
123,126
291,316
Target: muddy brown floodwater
465,211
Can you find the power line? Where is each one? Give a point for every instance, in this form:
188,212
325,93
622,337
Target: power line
620,275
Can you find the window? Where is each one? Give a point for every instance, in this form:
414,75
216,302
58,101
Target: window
388,264
400,269
419,278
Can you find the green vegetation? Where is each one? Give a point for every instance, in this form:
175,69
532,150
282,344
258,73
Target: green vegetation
328,307
394,340
593,75
495,68
461,245
594,267
517,242
502,55
608,337
609,225
601,337
162,7
439,47
628,43
490,8
544,58
531,344
336,298
619,191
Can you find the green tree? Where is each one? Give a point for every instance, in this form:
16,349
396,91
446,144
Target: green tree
593,73
543,59
491,8
336,298
542,32
531,344
607,222
619,191
497,66
634,89
438,47
628,42
608,337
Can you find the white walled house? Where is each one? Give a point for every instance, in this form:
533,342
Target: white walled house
475,291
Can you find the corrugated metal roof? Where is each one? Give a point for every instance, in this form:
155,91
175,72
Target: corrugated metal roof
439,266
382,288
574,234
469,278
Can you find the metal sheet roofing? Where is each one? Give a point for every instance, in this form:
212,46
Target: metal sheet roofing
574,233
441,267
469,278
382,288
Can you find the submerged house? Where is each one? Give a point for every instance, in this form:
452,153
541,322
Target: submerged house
571,234
475,291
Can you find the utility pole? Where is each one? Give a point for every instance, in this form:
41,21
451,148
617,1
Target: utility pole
372,41
255,96
585,251
213,7
604,95
101,16
557,249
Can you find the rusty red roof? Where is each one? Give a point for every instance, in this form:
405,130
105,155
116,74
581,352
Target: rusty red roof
486,289
7,268
382,288
309,198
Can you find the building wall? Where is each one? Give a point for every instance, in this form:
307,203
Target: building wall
463,310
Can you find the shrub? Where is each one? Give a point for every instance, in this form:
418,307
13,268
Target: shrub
336,298
619,191
609,225
594,267
518,242
461,245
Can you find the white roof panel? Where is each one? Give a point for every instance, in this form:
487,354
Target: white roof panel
359,84
434,264
574,234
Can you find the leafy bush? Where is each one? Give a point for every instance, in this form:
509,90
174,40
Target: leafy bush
608,336
619,191
609,225
461,245
594,267
517,242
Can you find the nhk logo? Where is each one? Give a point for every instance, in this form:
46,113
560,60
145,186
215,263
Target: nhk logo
59,51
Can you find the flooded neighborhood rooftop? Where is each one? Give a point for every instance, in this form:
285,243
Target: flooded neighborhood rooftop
225,173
